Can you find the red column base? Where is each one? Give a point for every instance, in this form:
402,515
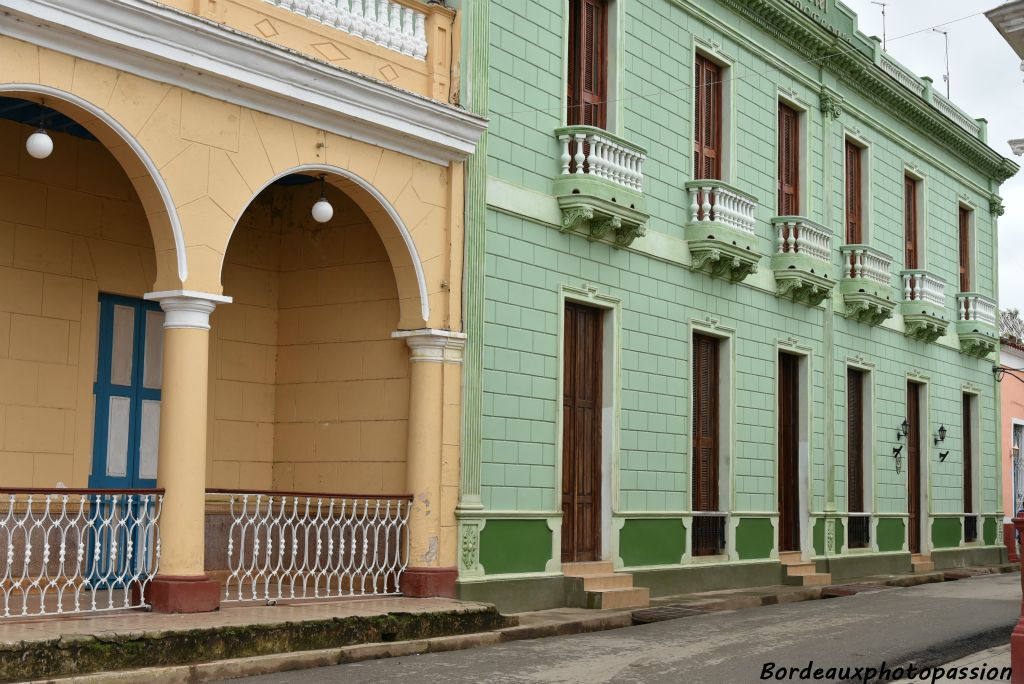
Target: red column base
1010,539
171,594
424,582
1017,652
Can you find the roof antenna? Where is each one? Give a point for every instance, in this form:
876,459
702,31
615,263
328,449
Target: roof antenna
945,77
882,4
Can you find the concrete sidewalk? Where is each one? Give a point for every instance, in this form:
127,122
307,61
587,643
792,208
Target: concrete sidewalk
979,667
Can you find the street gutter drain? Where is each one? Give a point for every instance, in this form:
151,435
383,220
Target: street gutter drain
662,613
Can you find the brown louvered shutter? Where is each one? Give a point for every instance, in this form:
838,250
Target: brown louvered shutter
789,161
855,439
707,120
910,221
968,452
588,70
854,232
705,423
965,250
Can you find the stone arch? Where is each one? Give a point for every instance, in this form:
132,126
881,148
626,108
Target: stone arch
155,196
398,240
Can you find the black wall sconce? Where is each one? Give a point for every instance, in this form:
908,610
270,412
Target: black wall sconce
897,453
940,436
903,430
942,456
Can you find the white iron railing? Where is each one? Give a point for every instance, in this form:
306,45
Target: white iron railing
861,261
908,79
593,151
383,22
714,201
288,545
77,550
923,286
797,235
953,113
976,307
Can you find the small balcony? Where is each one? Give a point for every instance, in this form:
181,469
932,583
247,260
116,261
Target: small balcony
924,305
803,260
720,230
976,324
867,284
600,188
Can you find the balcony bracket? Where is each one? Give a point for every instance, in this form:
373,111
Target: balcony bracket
723,254
803,286
600,219
868,309
924,326
977,345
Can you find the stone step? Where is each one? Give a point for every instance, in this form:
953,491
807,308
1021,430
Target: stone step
922,566
790,557
587,568
801,569
814,579
637,597
611,580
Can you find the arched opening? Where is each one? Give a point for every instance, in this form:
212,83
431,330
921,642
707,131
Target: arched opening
75,237
310,392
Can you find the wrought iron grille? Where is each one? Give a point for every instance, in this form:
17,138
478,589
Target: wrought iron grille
77,550
708,533
859,532
970,528
293,545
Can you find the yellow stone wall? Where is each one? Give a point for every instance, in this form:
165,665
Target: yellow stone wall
431,78
310,392
70,227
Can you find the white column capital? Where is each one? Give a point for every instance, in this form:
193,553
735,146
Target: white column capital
187,308
432,344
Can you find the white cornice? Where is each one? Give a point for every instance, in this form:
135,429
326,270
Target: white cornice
165,44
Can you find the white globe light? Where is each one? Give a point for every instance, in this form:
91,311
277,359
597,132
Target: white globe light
322,211
39,144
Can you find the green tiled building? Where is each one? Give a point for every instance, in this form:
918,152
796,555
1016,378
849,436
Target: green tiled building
731,274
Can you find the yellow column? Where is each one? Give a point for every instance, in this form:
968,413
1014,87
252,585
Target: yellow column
181,585
429,350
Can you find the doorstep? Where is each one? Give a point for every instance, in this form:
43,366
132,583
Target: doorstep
61,646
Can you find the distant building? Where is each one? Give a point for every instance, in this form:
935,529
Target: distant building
1009,21
1011,359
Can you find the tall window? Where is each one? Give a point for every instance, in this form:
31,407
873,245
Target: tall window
854,223
789,161
588,63
910,259
708,532
965,250
707,120
970,520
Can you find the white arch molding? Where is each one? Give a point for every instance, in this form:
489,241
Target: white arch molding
133,144
421,280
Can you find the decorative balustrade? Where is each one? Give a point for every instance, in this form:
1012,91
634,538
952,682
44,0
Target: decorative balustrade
588,150
861,261
908,79
293,545
77,550
797,235
976,307
384,22
712,201
922,286
956,115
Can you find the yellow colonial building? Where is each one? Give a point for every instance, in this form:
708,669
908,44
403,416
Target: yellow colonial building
230,299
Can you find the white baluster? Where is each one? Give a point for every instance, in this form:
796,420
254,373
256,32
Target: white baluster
395,25
383,23
694,205
579,157
408,31
371,28
420,37
358,20
566,157
344,15
705,207
598,162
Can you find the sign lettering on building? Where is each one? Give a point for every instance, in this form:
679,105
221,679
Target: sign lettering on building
830,15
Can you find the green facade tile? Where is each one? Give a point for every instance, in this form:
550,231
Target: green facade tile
655,541
891,534
946,533
755,538
515,546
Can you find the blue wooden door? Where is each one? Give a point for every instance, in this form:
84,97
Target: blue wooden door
129,371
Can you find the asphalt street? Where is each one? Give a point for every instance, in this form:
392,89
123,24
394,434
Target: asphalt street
927,624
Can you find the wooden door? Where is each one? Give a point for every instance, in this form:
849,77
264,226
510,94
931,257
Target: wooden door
914,467
965,250
854,229
588,63
789,161
789,452
581,434
855,440
910,222
707,119
968,449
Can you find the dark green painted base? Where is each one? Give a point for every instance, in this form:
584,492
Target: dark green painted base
61,657
516,595
848,567
945,559
672,581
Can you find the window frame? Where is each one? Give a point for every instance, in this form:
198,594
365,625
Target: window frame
703,48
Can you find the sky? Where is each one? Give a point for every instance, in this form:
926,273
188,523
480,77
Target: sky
985,81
